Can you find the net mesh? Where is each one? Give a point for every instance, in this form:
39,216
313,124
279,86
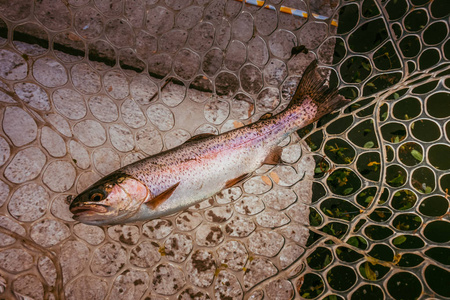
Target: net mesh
358,208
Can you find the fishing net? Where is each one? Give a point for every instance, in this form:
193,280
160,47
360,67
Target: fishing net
358,208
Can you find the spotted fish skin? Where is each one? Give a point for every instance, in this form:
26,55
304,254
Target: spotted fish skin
201,168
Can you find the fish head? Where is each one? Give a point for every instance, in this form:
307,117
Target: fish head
110,200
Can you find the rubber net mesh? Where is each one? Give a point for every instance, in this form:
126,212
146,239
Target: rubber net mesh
358,209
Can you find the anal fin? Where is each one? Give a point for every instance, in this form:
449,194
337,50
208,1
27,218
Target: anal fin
274,156
158,200
233,181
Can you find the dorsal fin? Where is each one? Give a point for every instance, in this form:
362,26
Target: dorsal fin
233,181
274,156
158,200
266,116
299,49
200,136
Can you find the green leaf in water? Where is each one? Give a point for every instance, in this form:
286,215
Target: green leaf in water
357,241
417,155
370,274
399,240
353,241
326,261
365,66
348,190
397,181
369,144
361,240
369,199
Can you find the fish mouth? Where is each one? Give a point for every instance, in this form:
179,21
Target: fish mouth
96,214
89,210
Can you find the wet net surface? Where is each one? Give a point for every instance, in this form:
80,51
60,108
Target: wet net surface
358,209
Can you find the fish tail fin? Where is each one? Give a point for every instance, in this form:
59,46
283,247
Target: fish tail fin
312,86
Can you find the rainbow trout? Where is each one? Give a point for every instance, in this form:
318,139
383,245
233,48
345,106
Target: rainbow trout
173,180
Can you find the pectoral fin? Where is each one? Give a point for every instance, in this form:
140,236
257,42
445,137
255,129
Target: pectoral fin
274,156
158,200
233,181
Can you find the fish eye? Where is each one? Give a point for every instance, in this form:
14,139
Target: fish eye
97,196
